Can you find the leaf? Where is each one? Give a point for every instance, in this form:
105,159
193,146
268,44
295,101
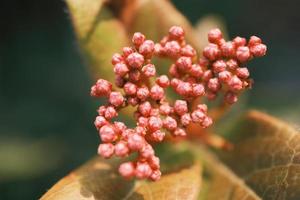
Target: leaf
221,183
98,179
266,156
99,33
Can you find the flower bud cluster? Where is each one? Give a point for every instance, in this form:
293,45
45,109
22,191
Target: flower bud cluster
221,67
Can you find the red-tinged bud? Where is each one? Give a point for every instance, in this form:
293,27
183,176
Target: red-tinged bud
100,121
127,170
215,35
243,54
179,132
107,133
143,170
130,88
116,98
188,51
235,84
228,49
176,32
239,41
180,107
136,142
147,48
198,90
158,136
224,76
212,52
135,60
121,69
149,70
106,150
127,51
184,88
172,49
110,112
196,71
214,84
138,38
185,119
143,93
242,72
254,40
155,123
232,64
184,63
117,58
219,66
170,123
157,92
155,176
145,108
230,98
163,81
134,76
258,50
121,149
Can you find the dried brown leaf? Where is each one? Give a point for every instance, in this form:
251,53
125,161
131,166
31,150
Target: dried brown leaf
266,156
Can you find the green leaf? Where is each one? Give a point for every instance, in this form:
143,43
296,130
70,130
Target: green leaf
266,155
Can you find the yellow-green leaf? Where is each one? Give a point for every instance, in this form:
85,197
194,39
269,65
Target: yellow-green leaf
266,155
99,33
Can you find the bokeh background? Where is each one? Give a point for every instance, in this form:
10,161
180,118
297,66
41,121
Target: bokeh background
46,114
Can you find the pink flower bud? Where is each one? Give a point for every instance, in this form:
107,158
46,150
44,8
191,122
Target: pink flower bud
147,48
232,64
106,150
116,98
158,136
110,112
147,151
202,107
140,130
163,81
180,107
214,84
135,60
143,93
179,132
228,49
127,169
196,71
119,81
173,71
184,63
149,70
100,121
157,92
154,123
243,54
107,133
154,162
135,142
198,116
155,176
121,149
242,72
206,122
119,127
142,170
101,110
254,40
142,121
121,69
134,76
172,49
219,66
170,123
239,41
207,75
158,50
185,119
130,88
176,32
165,109
127,51
204,62
154,112
224,76
116,58
133,101
188,51
258,50
211,52
198,90
214,35
184,88
138,38
210,95
230,97
102,88
235,84
145,108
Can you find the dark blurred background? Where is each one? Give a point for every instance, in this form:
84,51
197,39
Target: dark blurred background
46,114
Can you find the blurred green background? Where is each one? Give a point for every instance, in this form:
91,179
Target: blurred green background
46,114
